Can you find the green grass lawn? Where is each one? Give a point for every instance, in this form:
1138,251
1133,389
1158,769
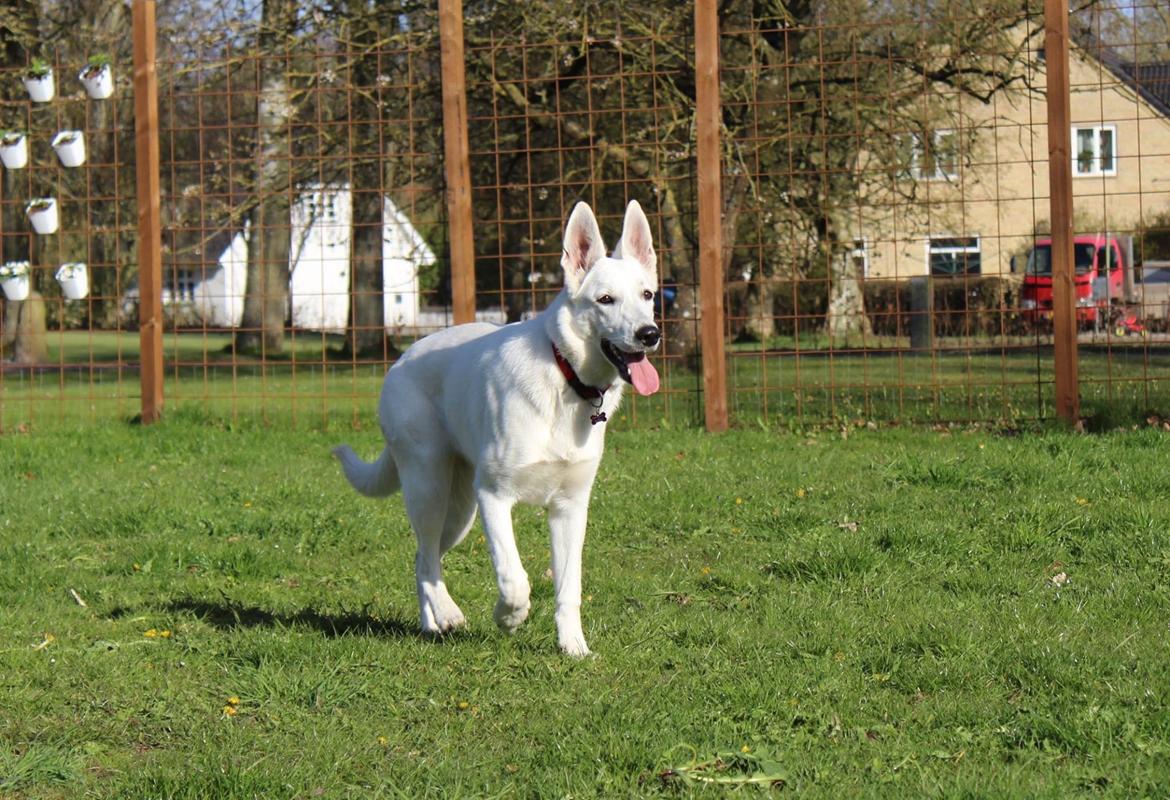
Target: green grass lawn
891,613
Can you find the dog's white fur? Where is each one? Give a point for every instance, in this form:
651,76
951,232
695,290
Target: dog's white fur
482,415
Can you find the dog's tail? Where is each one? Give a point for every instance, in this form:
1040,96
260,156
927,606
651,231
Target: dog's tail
373,480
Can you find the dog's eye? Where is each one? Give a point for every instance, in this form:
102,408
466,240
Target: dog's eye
605,300
647,295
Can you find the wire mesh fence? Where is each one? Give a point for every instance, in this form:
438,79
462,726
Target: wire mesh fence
883,204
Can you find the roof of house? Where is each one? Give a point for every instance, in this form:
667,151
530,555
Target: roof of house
1151,80
1154,79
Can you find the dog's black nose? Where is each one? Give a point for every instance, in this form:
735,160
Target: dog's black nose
648,335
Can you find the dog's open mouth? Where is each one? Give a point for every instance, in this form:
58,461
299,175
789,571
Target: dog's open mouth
634,368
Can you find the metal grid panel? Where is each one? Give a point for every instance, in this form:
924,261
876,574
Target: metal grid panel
303,195
64,355
584,108
885,181
890,168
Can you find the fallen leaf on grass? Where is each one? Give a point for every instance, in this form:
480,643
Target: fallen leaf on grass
730,770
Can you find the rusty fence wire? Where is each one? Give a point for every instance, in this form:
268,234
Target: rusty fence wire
880,235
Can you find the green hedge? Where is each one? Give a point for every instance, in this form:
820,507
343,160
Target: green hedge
962,306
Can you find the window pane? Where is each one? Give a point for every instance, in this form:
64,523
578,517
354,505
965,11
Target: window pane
954,243
955,255
1084,163
1106,149
906,155
946,156
917,156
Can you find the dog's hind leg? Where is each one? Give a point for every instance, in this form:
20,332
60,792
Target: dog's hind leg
460,508
426,489
513,603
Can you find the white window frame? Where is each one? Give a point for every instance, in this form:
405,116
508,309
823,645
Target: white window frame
1094,170
918,152
931,249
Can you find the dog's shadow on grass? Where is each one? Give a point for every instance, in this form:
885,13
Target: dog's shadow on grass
228,616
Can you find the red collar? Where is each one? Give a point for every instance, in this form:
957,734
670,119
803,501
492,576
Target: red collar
584,391
590,394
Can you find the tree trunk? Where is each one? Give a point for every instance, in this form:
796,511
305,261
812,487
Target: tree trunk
25,336
760,321
367,304
266,292
845,316
682,328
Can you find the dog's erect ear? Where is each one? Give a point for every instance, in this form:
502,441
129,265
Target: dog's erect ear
635,241
583,245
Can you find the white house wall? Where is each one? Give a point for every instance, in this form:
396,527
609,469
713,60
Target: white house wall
319,265
219,300
319,261
404,252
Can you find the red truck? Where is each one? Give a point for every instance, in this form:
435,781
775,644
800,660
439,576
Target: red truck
1101,262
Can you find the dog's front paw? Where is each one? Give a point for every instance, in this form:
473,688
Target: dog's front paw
440,616
574,646
509,617
449,618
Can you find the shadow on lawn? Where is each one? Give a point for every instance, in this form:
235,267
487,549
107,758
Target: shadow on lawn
227,615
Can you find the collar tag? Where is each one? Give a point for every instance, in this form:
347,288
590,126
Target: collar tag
592,394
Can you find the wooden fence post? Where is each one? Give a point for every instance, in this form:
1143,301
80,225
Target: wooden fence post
1060,198
146,151
707,114
457,156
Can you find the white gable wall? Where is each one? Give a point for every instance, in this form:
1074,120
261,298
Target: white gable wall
319,262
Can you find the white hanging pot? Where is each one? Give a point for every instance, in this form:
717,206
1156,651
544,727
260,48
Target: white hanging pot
40,85
98,80
14,280
74,280
70,147
42,213
14,150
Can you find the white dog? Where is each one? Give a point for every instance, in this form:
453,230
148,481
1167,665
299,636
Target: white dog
491,416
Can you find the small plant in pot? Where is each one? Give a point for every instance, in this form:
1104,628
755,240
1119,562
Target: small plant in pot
74,280
42,213
38,81
70,148
15,280
98,76
14,149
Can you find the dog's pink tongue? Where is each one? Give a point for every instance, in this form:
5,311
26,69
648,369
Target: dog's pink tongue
643,376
